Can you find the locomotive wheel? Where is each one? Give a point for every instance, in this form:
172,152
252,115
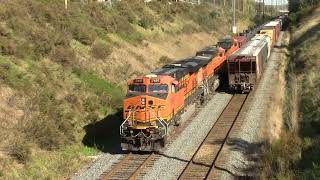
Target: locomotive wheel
163,142
177,121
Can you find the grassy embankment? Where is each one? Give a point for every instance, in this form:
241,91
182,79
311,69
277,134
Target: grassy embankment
62,70
295,155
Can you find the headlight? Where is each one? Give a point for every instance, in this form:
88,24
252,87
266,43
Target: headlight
143,101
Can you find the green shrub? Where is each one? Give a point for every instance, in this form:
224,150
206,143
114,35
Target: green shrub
146,22
50,131
133,37
7,46
282,156
90,104
163,60
71,98
21,151
92,117
101,50
313,173
11,75
52,127
189,29
84,34
63,55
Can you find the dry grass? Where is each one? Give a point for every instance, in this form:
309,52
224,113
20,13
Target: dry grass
295,155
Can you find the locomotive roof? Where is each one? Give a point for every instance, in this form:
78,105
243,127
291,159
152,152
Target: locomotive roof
176,72
183,67
225,43
208,51
192,63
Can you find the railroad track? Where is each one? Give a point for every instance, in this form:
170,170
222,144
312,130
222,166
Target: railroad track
130,167
202,162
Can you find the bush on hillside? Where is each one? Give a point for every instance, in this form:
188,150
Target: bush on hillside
84,34
163,60
101,50
20,150
8,46
52,127
282,156
189,29
146,22
63,55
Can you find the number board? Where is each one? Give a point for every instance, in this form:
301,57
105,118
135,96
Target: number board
138,81
154,80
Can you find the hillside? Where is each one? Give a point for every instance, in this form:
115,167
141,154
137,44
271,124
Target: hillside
61,70
295,155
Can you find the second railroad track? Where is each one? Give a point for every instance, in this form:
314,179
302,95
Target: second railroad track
202,162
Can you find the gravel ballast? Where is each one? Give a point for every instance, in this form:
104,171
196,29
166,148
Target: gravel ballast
178,152
176,156
239,156
94,170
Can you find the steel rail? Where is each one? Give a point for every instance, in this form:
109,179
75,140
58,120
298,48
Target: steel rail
142,167
127,168
199,167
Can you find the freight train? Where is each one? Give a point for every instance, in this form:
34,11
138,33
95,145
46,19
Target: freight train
156,101
245,67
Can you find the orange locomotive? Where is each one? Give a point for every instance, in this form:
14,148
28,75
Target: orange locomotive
155,102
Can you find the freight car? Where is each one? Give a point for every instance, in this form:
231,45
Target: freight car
264,38
271,29
246,35
245,66
155,102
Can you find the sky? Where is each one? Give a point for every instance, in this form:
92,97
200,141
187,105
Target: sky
274,1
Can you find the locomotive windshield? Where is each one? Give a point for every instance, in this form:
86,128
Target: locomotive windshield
137,88
158,88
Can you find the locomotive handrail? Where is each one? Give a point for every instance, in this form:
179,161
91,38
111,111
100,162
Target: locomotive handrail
163,124
121,126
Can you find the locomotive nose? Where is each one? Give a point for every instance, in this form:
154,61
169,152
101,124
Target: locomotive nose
145,109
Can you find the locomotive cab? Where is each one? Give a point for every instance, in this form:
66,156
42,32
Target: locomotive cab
151,103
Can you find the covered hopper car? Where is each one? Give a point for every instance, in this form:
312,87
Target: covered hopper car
245,66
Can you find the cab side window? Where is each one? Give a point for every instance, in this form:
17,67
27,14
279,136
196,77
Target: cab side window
173,88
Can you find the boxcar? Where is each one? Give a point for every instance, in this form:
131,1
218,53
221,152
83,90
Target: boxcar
245,66
272,29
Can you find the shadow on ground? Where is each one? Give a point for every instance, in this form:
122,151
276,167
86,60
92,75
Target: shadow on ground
312,32
104,134
251,153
